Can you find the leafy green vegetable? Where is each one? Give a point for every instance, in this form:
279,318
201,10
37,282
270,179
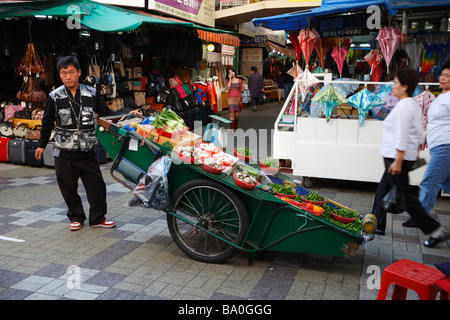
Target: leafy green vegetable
354,226
244,152
279,188
270,162
314,196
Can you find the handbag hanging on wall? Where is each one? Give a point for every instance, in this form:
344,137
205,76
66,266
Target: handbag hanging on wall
21,131
109,81
94,69
117,104
35,134
6,129
139,98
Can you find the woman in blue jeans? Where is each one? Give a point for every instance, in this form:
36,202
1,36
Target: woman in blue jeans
402,135
437,139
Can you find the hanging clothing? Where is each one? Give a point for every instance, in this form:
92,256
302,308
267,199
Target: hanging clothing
424,100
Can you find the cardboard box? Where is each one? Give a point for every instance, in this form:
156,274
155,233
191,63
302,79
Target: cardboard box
344,109
187,138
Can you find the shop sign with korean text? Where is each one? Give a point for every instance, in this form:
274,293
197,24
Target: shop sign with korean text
197,11
256,42
250,30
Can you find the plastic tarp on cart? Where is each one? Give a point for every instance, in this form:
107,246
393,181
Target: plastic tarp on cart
91,14
299,20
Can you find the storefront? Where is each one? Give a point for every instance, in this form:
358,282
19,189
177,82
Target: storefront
136,60
347,51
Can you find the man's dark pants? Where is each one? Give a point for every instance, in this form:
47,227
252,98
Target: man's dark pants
68,171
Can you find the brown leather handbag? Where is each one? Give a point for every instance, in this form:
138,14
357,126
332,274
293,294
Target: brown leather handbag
31,63
31,91
35,134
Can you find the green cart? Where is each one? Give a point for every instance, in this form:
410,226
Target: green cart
212,218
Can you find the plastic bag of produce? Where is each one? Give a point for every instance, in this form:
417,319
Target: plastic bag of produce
152,189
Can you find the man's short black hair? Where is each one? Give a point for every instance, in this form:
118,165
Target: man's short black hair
64,62
254,69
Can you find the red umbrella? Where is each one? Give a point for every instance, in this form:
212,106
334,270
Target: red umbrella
374,58
319,46
293,38
339,54
306,39
389,39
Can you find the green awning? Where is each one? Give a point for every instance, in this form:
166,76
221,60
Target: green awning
93,15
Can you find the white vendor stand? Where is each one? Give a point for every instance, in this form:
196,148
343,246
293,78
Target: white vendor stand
337,149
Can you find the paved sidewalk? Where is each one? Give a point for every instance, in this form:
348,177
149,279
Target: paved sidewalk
138,259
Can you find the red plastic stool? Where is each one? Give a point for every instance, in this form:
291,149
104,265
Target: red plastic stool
406,274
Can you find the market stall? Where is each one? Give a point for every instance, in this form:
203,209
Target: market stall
132,64
343,84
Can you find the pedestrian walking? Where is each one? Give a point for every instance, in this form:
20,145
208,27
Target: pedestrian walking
402,135
234,87
256,86
437,139
287,78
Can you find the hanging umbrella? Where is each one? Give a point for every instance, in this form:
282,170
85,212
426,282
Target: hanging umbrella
339,54
346,88
306,39
389,39
424,100
295,71
307,80
293,37
428,57
389,101
374,58
319,46
329,97
414,51
364,101
380,112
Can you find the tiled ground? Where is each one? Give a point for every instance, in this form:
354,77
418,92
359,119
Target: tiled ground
139,260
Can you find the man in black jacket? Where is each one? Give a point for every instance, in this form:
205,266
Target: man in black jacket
256,86
70,110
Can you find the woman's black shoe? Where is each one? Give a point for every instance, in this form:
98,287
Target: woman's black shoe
431,242
380,232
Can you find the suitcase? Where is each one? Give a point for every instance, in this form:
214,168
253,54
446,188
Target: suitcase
4,149
30,150
17,151
48,158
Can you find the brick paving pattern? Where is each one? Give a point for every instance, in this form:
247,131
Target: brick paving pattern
138,259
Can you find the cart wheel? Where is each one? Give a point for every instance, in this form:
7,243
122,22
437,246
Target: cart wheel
307,182
204,204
